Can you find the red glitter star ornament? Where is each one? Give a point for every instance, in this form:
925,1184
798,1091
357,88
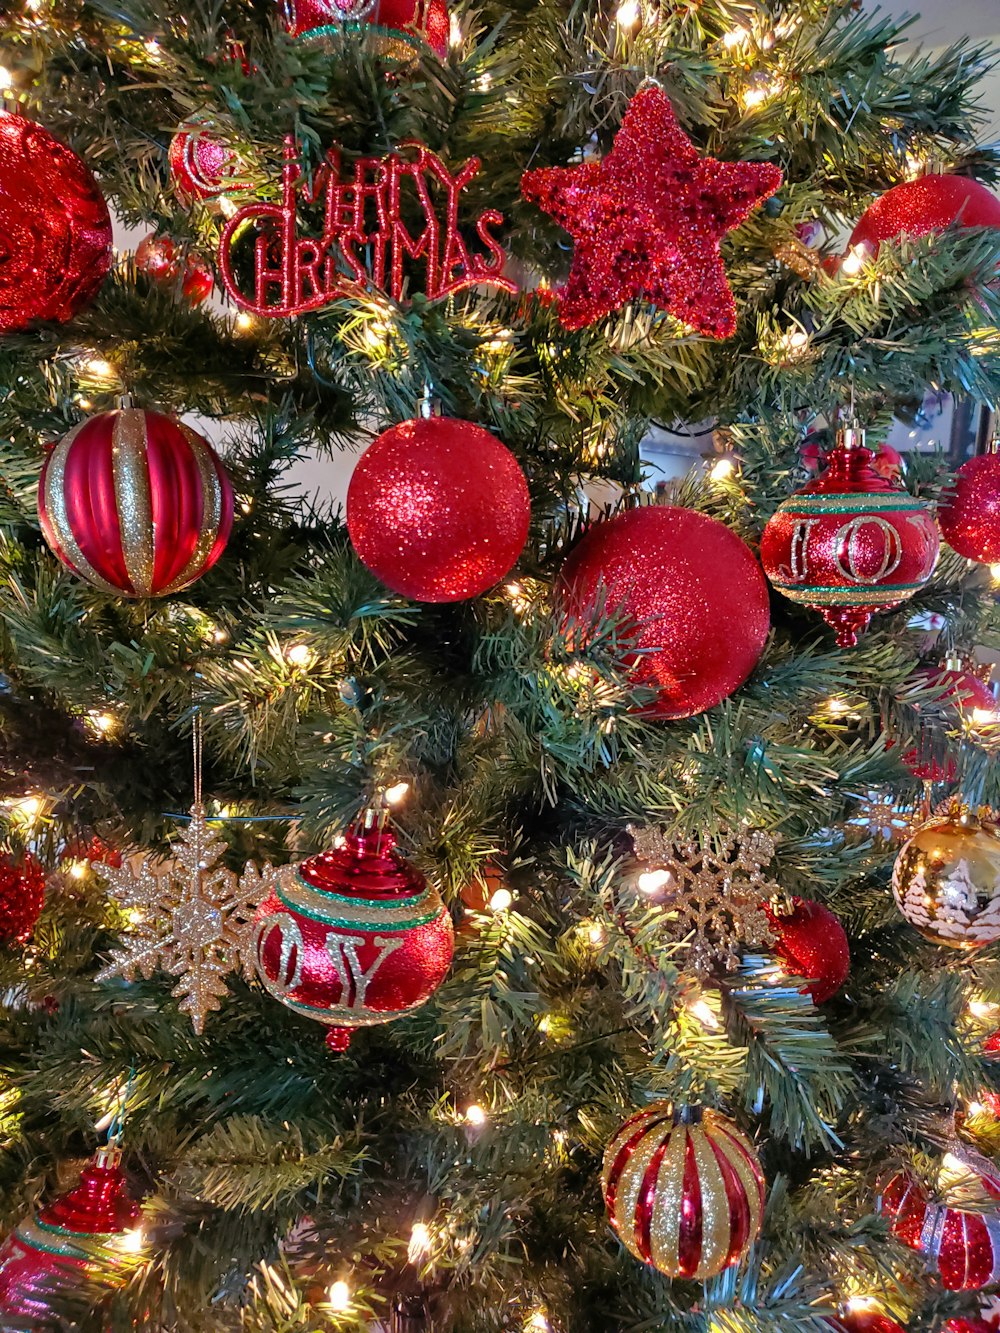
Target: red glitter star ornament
647,220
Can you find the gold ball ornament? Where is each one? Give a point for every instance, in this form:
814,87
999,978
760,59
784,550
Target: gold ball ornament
946,880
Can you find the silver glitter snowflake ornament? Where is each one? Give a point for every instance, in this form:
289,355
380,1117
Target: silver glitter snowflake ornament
189,918
716,891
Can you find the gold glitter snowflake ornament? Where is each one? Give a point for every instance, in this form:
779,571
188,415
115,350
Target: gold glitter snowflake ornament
714,893
189,919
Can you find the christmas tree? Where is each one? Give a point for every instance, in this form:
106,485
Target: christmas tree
647,903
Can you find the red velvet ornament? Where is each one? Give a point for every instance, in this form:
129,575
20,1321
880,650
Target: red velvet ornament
865,1321
684,1190
812,943
89,1233
964,1246
850,542
353,937
22,897
55,229
685,589
969,511
647,220
919,207
438,509
158,258
202,164
407,24
135,503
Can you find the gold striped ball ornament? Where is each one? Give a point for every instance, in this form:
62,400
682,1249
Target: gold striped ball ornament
946,880
135,502
684,1190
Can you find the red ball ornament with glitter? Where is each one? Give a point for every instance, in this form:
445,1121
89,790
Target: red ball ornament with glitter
158,257
90,1234
647,221
353,937
401,26
684,1190
969,510
964,1246
685,589
850,543
865,1321
22,897
438,509
203,166
135,502
55,229
812,943
918,207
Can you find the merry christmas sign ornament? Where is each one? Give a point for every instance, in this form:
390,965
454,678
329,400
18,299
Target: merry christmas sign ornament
270,265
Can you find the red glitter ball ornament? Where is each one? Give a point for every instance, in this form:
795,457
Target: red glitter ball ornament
353,937
686,590
647,221
135,503
684,1190
403,26
55,229
812,943
865,1321
925,205
203,165
89,1234
438,509
850,543
159,259
22,897
964,1246
969,510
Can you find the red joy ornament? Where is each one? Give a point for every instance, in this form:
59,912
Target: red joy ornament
408,23
438,509
849,543
55,229
969,511
202,164
919,207
963,1245
22,897
135,502
684,1190
647,220
354,936
158,258
90,1234
812,943
685,589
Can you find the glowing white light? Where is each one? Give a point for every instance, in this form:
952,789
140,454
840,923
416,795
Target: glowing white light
244,321
6,78
102,723
855,259
99,369
132,1241
858,1304
975,1108
501,900
652,881
627,16
838,707
420,1242
703,1013
455,31
299,655
26,808
475,1115
722,469
596,933
78,869
735,37
339,1296
394,794
537,1322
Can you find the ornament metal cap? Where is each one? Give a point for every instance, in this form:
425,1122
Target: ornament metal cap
851,436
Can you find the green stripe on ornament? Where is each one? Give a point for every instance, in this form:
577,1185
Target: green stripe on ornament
850,504
865,594
348,923
376,904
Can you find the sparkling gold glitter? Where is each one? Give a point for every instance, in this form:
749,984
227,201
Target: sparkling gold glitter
55,508
130,469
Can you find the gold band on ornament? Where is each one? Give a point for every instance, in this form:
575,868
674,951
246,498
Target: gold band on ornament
715,1229
629,1190
299,896
211,516
668,1199
866,596
130,468
341,1015
55,508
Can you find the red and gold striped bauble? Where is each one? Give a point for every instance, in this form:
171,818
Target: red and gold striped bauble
963,1246
135,502
684,1190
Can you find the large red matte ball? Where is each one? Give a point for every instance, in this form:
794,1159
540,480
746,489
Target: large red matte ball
812,943
22,896
438,509
969,512
685,589
928,204
55,229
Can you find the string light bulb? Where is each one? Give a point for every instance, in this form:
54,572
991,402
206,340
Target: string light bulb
244,321
628,14
339,1296
78,869
299,655
133,1241
454,32
475,1116
703,1013
722,469
537,1322
501,900
652,881
6,80
420,1242
735,37
394,794
854,261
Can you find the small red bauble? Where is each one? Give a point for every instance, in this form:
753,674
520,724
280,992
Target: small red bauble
965,1246
22,897
135,502
850,542
157,257
969,511
409,23
202,164
684,1190
86,1235
438,509
353,937
930,203
55,229
812,943
866,1321
685,589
